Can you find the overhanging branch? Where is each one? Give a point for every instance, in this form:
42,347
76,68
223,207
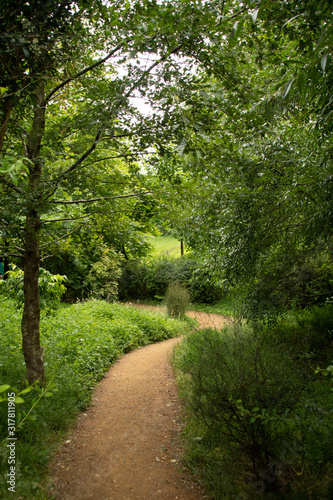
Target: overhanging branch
119,101
64,236
64,219
83,72
92,200
10,184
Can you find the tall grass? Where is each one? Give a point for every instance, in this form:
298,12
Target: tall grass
80,343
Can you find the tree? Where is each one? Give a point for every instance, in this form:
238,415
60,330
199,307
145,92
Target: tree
53,51
258,141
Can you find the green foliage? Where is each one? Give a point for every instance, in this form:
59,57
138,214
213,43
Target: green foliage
226,306
14,168
253,400
104,275
80,342
151,280
177,299
317,321
51,288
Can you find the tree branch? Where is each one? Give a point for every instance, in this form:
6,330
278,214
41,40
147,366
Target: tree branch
83,72
20,256
69,218
10,184
62,237
73,202
117,105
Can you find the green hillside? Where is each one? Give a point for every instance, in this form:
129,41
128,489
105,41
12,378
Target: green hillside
164,245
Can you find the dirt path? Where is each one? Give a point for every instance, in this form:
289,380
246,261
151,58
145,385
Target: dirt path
205,320
126,445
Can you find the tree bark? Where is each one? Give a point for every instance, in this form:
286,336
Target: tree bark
7,108
32,349
5,261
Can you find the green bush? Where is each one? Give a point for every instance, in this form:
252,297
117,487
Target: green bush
133,281
256,410
148,281
177,300
278,284
244,386
104,275
319,319
51,288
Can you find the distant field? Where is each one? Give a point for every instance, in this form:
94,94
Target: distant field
165,245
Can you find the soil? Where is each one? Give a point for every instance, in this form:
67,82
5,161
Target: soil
127,443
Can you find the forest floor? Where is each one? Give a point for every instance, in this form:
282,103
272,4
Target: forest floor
127,443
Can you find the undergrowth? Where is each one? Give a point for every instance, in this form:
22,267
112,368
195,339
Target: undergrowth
259,411
80,343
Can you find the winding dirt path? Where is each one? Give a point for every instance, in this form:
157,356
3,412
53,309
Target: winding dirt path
126,445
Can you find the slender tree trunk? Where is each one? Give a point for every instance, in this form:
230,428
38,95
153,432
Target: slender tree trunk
181,247
5,261
33,353
7,108
32,349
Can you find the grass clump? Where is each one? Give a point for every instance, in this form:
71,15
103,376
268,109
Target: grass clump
80,343
177,299
259,418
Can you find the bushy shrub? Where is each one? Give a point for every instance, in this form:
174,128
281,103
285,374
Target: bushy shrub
149,281
104,275
278,284
318,318
317,324
243,388
258,410
51,288
203,287
133,281
177,299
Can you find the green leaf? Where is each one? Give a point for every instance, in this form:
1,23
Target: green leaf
287,88
254,15
180,148
19,400
27,389
4,387
323,62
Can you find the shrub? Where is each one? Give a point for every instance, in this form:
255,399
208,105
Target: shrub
104,275
51,288
177,299
143,281
243,388
319,319
133,281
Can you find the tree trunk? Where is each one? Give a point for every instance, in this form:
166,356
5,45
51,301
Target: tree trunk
181,247
32,349
7,108
5,261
